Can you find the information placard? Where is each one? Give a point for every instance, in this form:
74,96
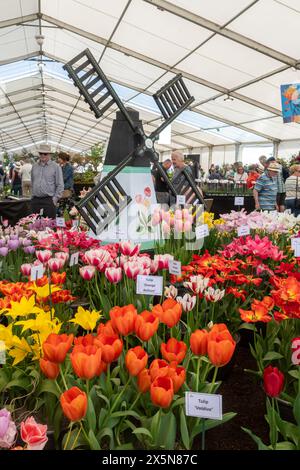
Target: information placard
149,285
203,405
175,267
243,230
202,231
239,201
74,258
37,272
180,199
60,222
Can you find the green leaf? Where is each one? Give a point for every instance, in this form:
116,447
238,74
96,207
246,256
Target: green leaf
285,445
294,373
94,444
184,430
272,355
102,416
91,415
48,386
296,409
143,431
154,424
23,383
119,414
247,326
128,446
106,432
257,440
166,440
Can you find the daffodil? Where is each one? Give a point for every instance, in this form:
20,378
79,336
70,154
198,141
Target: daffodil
86,319
6,335
22,308
44,291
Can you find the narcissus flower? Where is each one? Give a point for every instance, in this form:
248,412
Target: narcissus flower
74,404
173,350
136,360
162,392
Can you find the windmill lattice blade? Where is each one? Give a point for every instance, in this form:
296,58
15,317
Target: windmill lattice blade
94,86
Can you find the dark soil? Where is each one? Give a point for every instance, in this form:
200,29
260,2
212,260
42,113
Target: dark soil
243,395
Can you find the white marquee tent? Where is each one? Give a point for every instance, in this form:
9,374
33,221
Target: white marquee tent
233,55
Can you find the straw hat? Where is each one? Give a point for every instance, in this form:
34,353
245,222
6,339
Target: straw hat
17,166
274,167
44,148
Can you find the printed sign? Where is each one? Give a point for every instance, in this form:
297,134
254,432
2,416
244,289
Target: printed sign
37,272
175,267
180,199
74,258
297,251
41,212
202,231
294,242
238,201
203,405
149,285
2,352
243,230
60,222
290,101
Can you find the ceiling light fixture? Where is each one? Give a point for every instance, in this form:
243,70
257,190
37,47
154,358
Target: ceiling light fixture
228,98
40,39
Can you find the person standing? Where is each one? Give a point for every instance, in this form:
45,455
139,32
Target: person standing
266,188
292,185
47,183
68,174
25,174
280,183
16,182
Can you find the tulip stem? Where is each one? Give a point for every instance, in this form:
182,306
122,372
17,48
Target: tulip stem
203,434
68,436
135,401
214,379
87,386
198,371
84,432
59,389
63,377
76,438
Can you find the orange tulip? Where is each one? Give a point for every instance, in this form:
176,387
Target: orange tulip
198,342
86,361
159,368
144,381
123,319
74,404
56,347
58,278
162,391
146,325
169,312
49,369
220,348
173,350
219,331
87,340
136,360
106,329
178,377
111,346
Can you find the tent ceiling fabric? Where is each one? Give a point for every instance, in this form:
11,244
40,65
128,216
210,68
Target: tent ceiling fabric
231,54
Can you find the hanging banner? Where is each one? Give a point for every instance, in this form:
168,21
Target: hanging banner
290,100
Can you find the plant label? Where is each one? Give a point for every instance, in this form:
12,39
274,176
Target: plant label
273,213
203,405
149,285
238,201
2,352
294,242
202,231
296,351
175,267
74,258
297,251
37,272
180,199
60,222
243,230
121,234
41,212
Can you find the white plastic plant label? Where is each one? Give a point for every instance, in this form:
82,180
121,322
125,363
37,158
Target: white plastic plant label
149,285
60,222
175,267
203,405
74,258
239,201
180,199
243,230
37,272
202,231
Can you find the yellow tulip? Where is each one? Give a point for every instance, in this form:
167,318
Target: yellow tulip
22,308
86,319
19,350
44,291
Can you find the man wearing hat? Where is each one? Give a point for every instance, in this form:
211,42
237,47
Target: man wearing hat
266,188
47,183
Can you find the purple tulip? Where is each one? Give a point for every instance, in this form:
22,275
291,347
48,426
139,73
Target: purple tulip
8,429
14,237
13,244
3,251
2,242
29,249
26,242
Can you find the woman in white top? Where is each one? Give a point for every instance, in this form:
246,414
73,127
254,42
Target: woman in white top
240,176
292,187
25,174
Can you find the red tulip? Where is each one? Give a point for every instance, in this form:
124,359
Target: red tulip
136,360
49,369
56,347
173,350
74,404
146,325
162,392
273,381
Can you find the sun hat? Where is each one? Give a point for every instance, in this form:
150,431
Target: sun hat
274,167
44,148
17,166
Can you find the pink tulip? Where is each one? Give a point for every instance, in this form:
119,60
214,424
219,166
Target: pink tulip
163,260
156,217
178,214
62,255
43,255
129,249
26,269
166,217
166,228
132,269
55,264
34,434
178,225
187,226
114,275
87,272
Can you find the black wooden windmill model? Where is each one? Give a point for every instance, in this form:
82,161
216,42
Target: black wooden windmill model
107,199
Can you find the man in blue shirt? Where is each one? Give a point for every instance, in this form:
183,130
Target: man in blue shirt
266,189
